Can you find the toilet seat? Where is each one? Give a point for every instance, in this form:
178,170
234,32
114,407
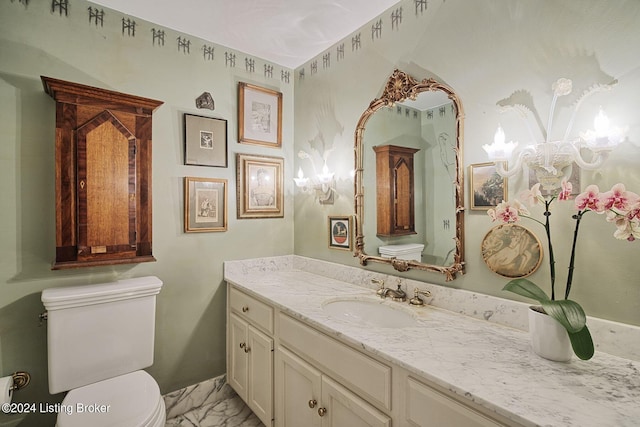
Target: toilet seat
130,400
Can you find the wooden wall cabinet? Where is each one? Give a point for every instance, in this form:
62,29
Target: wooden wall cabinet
103,175
394,190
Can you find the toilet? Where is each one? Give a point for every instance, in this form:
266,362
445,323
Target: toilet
408,251
99,338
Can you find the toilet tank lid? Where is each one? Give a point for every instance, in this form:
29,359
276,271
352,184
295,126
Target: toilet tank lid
75,296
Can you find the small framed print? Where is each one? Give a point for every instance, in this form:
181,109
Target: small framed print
259,116
205,204
488,188
511,250
259,186
340,232
205,141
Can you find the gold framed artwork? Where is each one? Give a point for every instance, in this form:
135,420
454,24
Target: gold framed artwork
487,187
340,232
205,204
259,115
205,141
259,186
511,250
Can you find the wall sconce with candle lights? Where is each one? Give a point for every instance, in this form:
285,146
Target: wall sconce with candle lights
552,160
322,185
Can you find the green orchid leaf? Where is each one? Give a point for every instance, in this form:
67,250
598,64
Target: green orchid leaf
527,289
582,343
567,312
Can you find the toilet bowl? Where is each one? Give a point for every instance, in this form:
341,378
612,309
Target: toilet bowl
131,400
99,340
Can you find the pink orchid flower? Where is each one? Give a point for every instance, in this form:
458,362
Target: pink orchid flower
508,212
618,198
533,196
565,193
589,199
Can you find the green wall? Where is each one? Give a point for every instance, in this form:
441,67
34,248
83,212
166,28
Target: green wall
486,50
190,332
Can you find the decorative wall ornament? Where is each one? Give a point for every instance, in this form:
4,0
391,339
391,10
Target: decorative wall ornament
129,26
376,30
158,35
95,15
24,2
314,67
249,65
268,70
184,44
421,6
230,59
355,42
396,18
340,51
208,52
284,76
205,101
326,60
61,5
511,250
301,74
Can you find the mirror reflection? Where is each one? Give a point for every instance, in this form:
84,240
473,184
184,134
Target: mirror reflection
407,163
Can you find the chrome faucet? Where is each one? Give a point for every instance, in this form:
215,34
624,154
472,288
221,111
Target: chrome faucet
395,294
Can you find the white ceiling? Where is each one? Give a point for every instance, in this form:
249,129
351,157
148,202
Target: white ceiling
284,32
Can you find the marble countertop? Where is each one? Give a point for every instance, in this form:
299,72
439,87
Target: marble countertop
489,364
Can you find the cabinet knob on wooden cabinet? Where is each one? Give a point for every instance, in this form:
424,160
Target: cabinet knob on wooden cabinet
322,411
245,309
313,403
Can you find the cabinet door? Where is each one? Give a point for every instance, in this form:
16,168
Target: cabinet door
297,391
238,362
259,352
343,408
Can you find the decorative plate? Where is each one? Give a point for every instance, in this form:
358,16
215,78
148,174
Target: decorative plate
511,250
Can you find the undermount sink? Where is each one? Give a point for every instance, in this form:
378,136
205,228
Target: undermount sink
369,312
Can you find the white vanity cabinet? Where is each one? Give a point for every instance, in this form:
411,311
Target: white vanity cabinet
250,352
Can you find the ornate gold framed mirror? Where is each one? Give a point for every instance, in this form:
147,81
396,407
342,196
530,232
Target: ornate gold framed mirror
410,155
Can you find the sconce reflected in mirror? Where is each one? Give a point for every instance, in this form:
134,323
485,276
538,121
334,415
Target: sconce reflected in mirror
323,185
552,160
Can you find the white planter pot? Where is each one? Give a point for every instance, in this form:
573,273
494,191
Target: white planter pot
548,338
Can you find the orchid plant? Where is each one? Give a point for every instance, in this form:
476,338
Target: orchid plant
620,207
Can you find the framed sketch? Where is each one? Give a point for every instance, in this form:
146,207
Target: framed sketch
259,186
259,116
340,232
205,204
205,141
511,250
488,188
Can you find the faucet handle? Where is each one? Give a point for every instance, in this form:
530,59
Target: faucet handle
417,300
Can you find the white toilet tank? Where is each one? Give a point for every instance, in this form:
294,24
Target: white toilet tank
96,332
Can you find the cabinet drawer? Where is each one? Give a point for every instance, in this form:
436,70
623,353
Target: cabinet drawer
256,312
363,375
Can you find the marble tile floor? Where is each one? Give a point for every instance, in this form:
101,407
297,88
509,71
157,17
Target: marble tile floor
230,412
